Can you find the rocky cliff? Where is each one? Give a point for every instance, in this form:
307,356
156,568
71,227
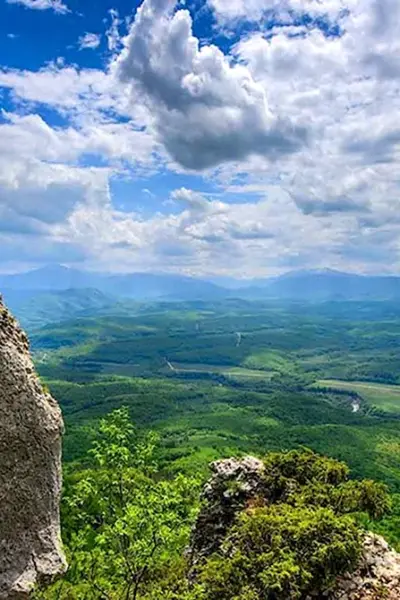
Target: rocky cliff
30,470
235,484
377,577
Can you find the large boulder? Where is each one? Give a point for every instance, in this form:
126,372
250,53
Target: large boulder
233,483
30,470
238,483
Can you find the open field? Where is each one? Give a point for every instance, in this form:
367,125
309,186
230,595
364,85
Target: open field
221,369
382,396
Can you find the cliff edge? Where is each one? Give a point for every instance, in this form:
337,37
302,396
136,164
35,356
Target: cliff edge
30,470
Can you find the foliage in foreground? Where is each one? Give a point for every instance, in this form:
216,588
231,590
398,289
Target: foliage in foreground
121,523
282,552
299,536
126,527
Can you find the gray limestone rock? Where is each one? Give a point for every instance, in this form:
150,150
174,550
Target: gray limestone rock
234,482
30,470
377,576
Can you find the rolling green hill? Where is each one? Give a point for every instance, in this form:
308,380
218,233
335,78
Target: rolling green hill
216,379
197,381
35,309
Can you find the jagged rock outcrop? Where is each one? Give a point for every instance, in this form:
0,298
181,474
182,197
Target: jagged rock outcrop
377,577
233,483
233,486
30,470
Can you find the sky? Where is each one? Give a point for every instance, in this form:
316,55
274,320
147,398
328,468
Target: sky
240,138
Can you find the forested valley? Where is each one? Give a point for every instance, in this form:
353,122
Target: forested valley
152,397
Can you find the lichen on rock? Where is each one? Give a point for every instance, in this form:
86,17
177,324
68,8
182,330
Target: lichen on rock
30,470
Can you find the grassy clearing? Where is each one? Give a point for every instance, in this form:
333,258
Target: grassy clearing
269,361
223,370
243,372
382,396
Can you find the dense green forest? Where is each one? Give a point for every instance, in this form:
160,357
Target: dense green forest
216,379
212,380
127,527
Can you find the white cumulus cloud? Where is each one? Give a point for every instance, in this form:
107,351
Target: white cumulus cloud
293,130
254,10
206,109
89,41
112,33
57,5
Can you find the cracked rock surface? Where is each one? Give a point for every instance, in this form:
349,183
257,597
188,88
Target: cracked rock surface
30,470
377,576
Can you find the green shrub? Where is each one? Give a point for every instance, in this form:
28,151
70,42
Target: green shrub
297,536
281,552
125,526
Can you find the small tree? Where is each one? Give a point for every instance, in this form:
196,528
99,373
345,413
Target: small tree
122,523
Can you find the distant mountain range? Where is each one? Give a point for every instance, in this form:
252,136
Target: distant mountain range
56,293
140,286
37,308
320,286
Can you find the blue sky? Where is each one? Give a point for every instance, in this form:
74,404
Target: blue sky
213,137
